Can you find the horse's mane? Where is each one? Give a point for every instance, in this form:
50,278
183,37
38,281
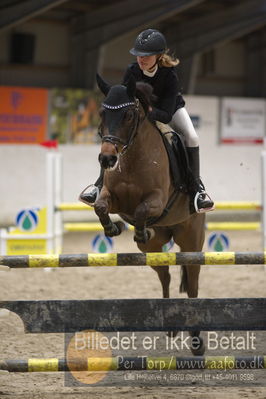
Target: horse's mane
144,92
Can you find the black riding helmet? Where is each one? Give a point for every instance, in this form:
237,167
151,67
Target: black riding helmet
149,42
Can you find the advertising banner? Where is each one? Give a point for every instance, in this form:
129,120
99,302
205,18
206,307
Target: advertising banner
242,120
23,115
74,116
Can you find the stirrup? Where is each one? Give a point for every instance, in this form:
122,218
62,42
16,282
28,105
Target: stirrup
83,194
202,210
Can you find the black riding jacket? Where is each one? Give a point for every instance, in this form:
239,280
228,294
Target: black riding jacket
165,87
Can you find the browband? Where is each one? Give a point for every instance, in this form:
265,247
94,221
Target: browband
118,106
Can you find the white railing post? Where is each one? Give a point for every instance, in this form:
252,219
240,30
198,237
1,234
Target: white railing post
58,216
50,192
263,199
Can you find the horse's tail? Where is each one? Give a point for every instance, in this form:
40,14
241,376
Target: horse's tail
184,280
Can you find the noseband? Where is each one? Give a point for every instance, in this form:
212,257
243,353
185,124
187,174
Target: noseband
109,138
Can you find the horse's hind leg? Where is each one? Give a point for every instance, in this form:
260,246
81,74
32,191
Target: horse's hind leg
155,245
191,239
189,283
162,236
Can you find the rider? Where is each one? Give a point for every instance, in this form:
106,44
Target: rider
155,66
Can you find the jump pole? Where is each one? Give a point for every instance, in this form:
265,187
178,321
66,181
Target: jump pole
125,363
219,206
134,259
210,226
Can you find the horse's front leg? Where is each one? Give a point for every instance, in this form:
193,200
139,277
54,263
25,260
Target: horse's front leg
102,208
152,206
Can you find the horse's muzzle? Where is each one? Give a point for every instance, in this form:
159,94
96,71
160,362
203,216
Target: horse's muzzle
107,161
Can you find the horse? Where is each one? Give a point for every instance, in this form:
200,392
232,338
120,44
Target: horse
138,186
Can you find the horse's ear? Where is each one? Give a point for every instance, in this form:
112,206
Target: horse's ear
131,86
103,86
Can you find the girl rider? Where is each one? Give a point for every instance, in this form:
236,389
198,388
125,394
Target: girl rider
156,67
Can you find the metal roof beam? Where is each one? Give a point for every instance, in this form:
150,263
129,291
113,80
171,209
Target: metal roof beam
206,32
19,13
104,25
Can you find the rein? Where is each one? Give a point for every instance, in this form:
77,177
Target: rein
109,138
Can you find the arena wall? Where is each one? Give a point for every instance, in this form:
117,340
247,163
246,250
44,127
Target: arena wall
230,172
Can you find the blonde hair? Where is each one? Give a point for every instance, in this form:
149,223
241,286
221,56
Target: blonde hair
166,60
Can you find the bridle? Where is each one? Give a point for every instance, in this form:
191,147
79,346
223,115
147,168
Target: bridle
109,138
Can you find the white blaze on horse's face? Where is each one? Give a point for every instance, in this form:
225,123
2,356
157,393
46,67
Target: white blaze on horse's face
116,165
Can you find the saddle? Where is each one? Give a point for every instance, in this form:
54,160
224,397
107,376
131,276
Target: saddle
178,158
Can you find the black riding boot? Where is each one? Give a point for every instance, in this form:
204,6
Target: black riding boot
199,199
91,193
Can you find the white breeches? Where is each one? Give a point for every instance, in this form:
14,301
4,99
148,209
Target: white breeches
182,124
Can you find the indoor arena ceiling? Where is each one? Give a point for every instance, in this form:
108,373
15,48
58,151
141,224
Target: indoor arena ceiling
91,15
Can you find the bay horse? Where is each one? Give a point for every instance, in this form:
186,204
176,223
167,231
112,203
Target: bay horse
137,185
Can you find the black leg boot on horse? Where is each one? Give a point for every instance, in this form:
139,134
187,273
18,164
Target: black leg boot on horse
199,199
91,193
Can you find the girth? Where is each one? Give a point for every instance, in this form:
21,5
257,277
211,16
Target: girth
154,220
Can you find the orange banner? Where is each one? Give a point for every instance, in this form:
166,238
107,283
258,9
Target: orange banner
23,115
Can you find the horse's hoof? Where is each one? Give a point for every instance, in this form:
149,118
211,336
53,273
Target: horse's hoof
142,237
121,226
198,349
115,229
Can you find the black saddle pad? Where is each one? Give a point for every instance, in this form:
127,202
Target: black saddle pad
178,160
